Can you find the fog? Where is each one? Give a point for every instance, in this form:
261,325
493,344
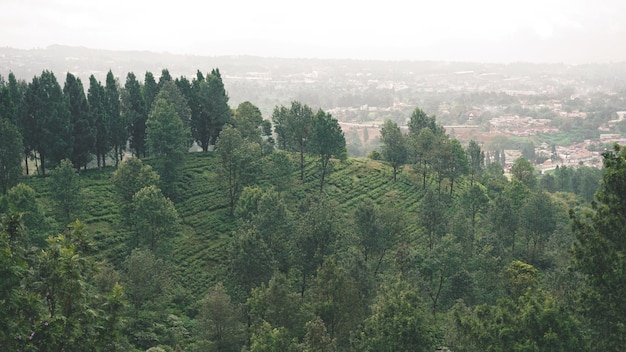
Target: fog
568,31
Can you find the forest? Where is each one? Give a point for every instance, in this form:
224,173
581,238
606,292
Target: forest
151,216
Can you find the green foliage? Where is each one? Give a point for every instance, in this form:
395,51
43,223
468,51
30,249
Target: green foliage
96,96
166,139
155,218
66,190
11,150
46,118
599,254
530,320
238,158
523,171
83,128
133,109
393,145
399,322
327,141
294,127
130,176
209,108
117,124
219,322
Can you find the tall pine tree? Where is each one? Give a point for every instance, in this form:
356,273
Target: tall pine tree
83,131
97,113
117,125
47,119
134,112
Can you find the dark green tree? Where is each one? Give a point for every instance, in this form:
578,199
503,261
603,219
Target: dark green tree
172,94
294,127
155,218
150,90
399,322
133,108
165,77
537,221
66,190
117,123
393,146
238,159
599,253
47,116
220,325
130,176
475,159
83,131
167,139
11,150
209,108
523,171
97,99
247,118
327,141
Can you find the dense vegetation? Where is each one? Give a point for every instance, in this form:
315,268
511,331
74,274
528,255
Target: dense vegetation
287,245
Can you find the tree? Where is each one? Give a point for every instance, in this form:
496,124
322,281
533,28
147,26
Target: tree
393,146
117,124
294,128
133,109
424,147
96,98
237,162
420,120
22,200
327,141
150,90
453,161
83,131
399,322
155,218
476,160
432,217
66,190
209,109
248,119
166,138
473,200
219,321
172,94
280,170
377,229
599,253
317,231
48,119
274,304
523,171
8,107
538,221
130,176
529,319
219,111
11,150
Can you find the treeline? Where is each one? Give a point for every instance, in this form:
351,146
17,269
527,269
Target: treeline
440,248
103,120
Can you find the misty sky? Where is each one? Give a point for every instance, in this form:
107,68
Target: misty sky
571,31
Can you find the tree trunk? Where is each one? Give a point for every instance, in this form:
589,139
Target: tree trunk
26,163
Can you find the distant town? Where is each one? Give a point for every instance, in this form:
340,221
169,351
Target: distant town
568,113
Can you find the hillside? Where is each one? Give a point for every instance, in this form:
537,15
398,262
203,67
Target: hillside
207,225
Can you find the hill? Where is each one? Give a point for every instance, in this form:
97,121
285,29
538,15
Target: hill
203,207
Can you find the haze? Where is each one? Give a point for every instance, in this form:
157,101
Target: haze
568,31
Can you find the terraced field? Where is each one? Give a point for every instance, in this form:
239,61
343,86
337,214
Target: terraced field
203,207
